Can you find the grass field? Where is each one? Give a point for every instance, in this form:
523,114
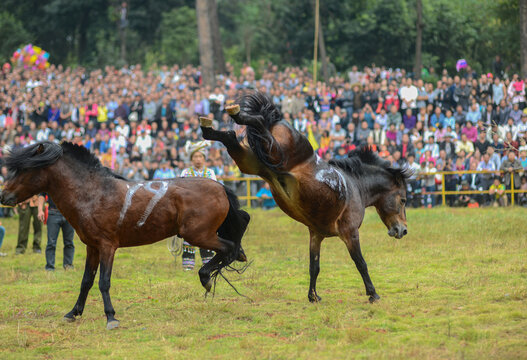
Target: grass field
455,287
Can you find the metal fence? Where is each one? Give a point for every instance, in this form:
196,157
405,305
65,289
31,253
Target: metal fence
246,187
443,192
248,191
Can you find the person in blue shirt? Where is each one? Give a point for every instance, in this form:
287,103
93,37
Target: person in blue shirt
164,172
265,195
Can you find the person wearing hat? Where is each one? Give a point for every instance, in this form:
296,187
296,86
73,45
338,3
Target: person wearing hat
198,154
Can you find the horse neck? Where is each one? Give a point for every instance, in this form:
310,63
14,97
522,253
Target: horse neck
67,186
373,187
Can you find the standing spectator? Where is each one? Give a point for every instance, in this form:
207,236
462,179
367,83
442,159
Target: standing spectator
510,166
2,234
56,221
462,93
408,94
27,210
198,155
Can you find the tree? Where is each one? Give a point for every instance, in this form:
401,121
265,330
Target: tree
12,36
419,40
219,60
206,52
523,36
179,34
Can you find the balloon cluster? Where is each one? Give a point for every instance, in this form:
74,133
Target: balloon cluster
31,57
461,64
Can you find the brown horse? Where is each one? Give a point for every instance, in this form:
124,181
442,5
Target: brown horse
109,212
329,198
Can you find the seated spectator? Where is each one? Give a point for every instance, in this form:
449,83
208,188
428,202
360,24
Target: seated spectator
497,193
473,115
266,197
409,120
471,131
433,147
465,145
394,117
362,133
464,199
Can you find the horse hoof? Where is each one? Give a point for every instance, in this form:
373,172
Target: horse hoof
113,324
69,319
374,298
205,122
233,109
314,299
241,256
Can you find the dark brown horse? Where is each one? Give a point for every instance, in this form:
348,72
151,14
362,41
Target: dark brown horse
329,198
109,212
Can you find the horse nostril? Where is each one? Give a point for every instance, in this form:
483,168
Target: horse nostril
405,232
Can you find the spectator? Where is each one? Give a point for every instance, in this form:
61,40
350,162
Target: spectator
26,210
497,193
2,234
55,222
510,166
266,197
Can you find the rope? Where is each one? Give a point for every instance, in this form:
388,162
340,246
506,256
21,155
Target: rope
175,246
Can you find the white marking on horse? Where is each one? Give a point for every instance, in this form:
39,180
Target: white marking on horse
334,179
128,200
158,195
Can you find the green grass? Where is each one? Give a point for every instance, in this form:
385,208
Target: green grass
455,287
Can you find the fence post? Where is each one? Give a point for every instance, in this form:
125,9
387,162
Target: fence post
512,188
443,195
248,192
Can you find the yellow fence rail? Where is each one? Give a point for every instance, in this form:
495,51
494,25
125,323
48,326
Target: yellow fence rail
249,196
443,192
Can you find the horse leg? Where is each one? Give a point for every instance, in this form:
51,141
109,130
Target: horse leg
106,260
315,240
351,239
244,119
222,258
244,158
90,270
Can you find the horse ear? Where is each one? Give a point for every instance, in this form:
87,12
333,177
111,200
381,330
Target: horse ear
40,149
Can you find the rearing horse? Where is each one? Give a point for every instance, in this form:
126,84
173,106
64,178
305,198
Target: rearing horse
329,198
109,212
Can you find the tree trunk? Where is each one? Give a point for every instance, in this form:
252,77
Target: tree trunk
323,56
419,40
206,52
523,36
219,60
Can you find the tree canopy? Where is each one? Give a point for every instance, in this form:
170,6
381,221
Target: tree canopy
86,32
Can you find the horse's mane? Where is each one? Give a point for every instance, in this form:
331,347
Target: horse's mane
260,107
87,158
354,165
46,153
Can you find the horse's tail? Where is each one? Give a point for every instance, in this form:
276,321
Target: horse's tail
263,114
235,224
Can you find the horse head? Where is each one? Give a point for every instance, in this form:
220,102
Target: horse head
26,174
391,205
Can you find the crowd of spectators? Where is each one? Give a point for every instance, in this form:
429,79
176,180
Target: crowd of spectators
138,122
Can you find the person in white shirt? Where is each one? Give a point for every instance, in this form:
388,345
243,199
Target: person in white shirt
408,94
43,132
143,142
